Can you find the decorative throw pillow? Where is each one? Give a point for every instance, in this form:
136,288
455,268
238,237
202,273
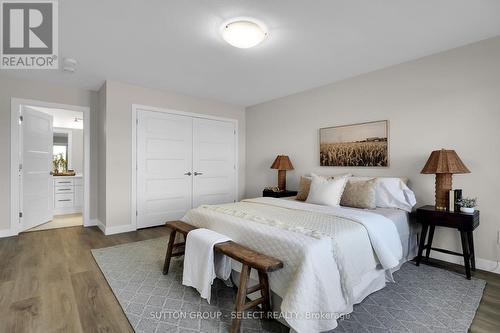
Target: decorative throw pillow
305,184
359,194
326,191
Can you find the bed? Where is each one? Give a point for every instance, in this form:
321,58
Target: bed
334,256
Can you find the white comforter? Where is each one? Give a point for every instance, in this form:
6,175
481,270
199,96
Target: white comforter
325,251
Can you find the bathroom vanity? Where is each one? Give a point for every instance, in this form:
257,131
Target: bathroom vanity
68,194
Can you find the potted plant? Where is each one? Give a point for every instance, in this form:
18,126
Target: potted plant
467,205
59,164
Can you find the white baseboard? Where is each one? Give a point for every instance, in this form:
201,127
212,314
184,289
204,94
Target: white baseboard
7,233
92,223
97,223
118,229
112,230
483,264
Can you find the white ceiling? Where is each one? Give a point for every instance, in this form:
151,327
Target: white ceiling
175,45
63,118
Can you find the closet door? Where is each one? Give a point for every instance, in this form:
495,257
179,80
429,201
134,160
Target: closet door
164,166
214,168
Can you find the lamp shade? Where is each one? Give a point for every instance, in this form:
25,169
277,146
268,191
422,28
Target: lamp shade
444,161
282,162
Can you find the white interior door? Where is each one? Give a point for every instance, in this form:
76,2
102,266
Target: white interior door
214,165
36,200
164,165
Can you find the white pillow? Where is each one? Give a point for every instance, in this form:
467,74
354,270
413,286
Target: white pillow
305,184
326,191
365,178
393,193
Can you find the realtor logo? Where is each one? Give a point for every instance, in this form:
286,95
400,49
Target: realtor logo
29,38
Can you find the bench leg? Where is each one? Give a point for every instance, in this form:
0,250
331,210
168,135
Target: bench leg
168,255
240,298
266,305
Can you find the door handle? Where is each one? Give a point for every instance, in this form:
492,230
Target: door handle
188,174
196,173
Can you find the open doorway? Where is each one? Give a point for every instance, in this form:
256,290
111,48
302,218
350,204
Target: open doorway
50,166
67,168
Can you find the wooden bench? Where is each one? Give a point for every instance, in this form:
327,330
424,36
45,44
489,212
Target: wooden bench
249,259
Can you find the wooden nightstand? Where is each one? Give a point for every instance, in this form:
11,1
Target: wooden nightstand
281,194
429,217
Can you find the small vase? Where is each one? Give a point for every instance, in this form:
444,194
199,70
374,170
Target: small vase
468,210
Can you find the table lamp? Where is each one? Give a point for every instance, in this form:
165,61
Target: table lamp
444,163
282,163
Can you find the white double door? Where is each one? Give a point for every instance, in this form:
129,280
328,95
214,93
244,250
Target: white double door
182,163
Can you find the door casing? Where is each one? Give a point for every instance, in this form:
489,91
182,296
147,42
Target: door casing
15,158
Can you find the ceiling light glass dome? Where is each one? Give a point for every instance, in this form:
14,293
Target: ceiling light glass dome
243,33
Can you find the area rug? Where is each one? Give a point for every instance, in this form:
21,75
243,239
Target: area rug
423,299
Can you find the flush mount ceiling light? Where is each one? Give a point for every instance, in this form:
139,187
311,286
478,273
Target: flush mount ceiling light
243,32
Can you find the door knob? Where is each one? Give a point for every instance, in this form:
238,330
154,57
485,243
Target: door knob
188,174
196,173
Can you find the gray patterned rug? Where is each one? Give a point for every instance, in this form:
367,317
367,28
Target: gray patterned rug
424,299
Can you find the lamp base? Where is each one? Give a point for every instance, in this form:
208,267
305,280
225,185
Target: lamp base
443,187
282,180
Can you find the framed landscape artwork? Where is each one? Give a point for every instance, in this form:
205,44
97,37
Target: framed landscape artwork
358,145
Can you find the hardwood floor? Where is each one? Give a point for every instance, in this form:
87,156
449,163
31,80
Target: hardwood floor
60,221
49,282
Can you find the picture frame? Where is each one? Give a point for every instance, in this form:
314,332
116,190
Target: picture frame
355,145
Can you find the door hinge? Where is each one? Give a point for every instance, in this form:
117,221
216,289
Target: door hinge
137,121
21,118
136,213
20,166
234,132
20,214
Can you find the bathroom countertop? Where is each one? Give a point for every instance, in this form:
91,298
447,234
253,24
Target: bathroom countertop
78,175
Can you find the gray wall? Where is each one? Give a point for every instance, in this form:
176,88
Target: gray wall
118,133
27,89
449,100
